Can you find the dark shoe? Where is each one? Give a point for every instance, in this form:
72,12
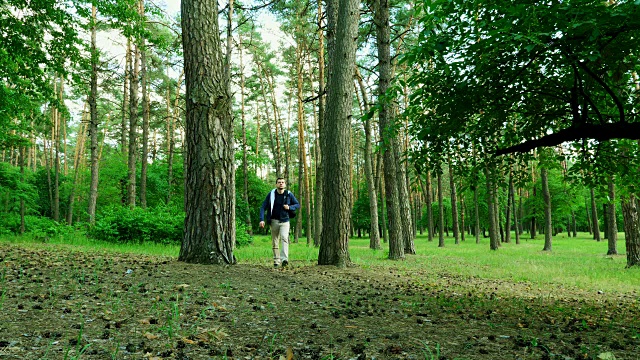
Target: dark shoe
275,266
285,263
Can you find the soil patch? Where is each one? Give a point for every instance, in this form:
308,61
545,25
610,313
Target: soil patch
58,303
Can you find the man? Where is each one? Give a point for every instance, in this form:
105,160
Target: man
277,205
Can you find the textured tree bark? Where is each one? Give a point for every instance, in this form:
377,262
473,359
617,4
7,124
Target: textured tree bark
245,170
317,218
93,121
594,217
392,195
209,233
548,231
613,225
631,230
343,18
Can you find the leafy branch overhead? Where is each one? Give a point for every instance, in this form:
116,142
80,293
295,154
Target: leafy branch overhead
525,75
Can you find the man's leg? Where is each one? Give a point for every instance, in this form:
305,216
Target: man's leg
275,240
284,237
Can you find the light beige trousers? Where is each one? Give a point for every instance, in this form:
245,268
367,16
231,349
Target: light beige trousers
280,236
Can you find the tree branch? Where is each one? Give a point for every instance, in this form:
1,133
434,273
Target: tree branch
600,132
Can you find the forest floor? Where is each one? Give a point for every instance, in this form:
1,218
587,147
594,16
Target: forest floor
59,303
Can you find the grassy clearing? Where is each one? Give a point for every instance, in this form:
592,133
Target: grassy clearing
574,262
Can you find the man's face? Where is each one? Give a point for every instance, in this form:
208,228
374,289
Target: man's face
281,184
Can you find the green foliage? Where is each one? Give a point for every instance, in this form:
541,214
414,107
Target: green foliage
122,225
37,226
257,191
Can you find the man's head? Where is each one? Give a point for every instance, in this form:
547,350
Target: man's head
281,184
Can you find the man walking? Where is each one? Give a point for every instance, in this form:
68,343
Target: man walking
277,205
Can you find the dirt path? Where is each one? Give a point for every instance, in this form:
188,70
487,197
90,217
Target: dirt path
59,303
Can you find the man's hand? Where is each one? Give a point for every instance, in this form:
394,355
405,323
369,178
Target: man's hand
286,207
261,224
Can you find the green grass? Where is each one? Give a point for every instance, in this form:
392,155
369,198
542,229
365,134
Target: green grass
574,262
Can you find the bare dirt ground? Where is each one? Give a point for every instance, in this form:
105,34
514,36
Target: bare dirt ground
57,303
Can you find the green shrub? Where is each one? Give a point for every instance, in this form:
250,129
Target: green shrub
158,225
35,225
121,225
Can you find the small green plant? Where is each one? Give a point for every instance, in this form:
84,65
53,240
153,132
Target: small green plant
428,353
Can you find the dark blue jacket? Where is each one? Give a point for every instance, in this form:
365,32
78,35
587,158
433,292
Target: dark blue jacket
267,204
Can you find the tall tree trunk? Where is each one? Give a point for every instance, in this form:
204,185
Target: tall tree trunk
573,221
613,225
93,121
56,146
548,230
381,186
454,204
476,214
513,207
440,212
76,163
145,117
508,208
21,160
317,219
389,140
494,242
245,170
426,189
631,230
462,215
302,156
133,126
125,97
374,237
594,217
586,209
210,231
343,18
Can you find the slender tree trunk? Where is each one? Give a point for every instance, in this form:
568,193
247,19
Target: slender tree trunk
462,215
454,205
515,210
548,231
381,186
476,214
343,18
125,97
494,242
389,140
145,118
22,179
507,237
93,121
594,217
210,231
320,128
631,230
76,164
586,209
56,147
133,125
613,225
573,221
245,169
426,188
302,158
440,212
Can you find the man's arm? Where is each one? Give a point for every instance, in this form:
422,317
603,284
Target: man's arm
293,202
263,207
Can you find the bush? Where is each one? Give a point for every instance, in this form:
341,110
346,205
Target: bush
159,225
121,225
35,225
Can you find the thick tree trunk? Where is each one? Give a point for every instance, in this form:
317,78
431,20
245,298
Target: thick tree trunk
343,16
594,217
210,231
631,230
613,225
93,122
548,231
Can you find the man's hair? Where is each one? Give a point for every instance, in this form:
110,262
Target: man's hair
280,179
